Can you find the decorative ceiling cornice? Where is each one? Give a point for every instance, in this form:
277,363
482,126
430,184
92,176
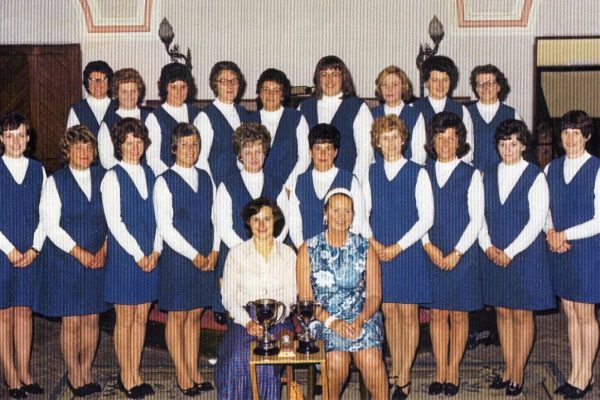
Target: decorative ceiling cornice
493,16
99,21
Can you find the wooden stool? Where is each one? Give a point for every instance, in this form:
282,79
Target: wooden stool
311,359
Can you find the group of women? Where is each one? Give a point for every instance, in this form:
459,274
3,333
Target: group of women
431,204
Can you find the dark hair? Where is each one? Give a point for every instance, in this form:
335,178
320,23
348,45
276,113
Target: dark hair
128,75
388,123
577,119
254,207
333,62
499,76
174,72
279,77
438,124
12,122
227,66
77,134
441,64
181,130
511,127
248,133
324,133
97,66
127,126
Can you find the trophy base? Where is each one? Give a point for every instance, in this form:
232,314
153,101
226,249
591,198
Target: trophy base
307,348
266,352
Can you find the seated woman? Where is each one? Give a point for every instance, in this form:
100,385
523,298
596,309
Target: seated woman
21,239
71,280
340,270
453,263
134,246
515,275
184,209
258,268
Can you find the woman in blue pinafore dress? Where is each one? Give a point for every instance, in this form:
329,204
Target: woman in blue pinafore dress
340,270
399,201
21,239
515,274
574,239
133,249
70,283
184,208
450,246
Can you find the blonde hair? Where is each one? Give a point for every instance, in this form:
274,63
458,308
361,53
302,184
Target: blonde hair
406,85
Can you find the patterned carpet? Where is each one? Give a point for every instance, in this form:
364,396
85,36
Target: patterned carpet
541,379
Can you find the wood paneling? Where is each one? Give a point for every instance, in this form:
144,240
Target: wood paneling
41,82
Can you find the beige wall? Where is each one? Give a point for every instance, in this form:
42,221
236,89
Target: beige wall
293,35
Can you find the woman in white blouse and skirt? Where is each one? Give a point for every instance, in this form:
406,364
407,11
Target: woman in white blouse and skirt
133,250
259,268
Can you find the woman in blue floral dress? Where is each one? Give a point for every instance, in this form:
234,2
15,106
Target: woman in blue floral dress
340,271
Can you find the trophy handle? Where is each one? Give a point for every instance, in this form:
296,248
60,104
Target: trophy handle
283,308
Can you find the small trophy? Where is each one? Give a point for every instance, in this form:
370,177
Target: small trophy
305,311
266,312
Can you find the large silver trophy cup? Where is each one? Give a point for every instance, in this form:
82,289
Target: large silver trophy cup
266,312
305,311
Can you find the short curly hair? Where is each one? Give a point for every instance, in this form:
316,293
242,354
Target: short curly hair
439,124
499,76
77,134
249,133
97,66
128,75
441,64
279,77
181,130
174,72
227,66
388,123
407,90
127,126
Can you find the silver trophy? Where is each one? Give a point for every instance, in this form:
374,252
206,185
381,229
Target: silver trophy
305,311
266,312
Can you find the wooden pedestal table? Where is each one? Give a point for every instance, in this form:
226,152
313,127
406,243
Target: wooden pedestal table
289,362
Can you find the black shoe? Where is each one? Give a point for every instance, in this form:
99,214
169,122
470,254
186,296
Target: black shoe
205,386
435,388
220,317
18,393
564,389
92,387
33,388
133,393
577,393
77,391
147,389
399,393
498,383
191,392
513,389
450,389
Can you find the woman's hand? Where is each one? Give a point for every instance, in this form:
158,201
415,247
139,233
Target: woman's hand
390,252
211,260
435,255
557,241
254,329
153,259
14,256
498,256
377,246
100,257
451,260
26,259
344,329
200,262
84,257
148,263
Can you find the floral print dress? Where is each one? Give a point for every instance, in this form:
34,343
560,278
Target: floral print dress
338,279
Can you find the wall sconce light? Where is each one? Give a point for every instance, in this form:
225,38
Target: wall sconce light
436,33
166,35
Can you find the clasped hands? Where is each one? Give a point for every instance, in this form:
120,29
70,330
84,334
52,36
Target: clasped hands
445,263
89,260
21,260
557,241
498,256
385,253
206,263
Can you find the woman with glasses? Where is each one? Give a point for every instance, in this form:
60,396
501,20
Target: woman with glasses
219,119
93,110
393,90
335,103
491,88
176,88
